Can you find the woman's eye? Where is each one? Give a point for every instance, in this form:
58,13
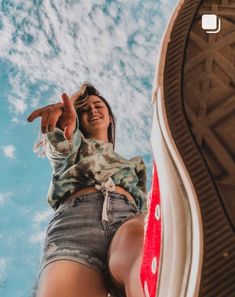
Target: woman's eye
86,109
83,109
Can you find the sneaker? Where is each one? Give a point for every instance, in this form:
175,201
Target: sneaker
193,140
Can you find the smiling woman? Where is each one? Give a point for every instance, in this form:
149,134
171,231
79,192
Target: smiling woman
95,103
99,198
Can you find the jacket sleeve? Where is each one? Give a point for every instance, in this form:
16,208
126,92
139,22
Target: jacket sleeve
141,173
59,150
140,170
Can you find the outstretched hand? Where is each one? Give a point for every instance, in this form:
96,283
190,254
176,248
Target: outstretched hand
62,115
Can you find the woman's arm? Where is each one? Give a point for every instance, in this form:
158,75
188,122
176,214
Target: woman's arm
59,123
62,114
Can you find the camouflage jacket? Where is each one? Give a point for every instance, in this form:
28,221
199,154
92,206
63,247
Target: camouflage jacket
83,162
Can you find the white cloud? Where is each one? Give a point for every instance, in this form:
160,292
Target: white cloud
114,45
15,120
9,151
4,197
18,105
18,94
8,28
42,216
3,268
38,237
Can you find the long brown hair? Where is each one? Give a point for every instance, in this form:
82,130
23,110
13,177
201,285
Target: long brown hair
86,90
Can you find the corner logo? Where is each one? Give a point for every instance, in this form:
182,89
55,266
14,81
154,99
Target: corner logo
211,23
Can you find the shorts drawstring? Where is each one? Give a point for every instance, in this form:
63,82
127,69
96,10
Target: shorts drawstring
105,188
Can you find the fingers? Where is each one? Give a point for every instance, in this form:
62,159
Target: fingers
54,118
49,116
68,105
44,120
54,113
35,114
69,129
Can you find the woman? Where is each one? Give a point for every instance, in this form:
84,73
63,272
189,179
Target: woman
94,242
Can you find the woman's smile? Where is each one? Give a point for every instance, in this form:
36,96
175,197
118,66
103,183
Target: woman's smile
95,118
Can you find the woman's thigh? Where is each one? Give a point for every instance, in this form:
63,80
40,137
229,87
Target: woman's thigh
126,247
65,278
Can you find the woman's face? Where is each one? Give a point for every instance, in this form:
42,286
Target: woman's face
94,116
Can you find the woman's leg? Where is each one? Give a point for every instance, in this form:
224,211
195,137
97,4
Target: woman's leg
125,256
65,278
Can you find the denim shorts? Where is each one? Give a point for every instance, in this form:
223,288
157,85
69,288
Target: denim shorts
77,232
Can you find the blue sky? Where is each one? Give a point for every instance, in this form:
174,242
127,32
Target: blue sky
46,48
